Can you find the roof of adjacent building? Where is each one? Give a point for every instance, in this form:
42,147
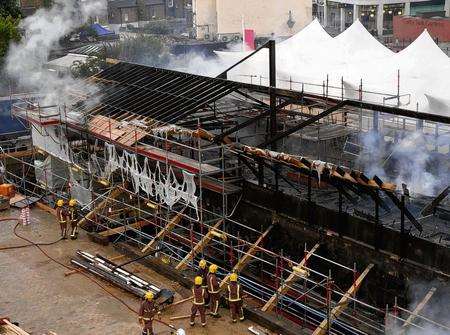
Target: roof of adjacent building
134,3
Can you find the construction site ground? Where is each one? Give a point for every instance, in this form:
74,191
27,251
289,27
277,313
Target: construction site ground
37,292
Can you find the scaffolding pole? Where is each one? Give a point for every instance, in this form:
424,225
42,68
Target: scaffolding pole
198,247
291,279
342,304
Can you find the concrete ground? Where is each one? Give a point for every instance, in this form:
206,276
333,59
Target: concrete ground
35,292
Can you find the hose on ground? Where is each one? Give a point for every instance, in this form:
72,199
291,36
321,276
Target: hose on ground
24,245
38,246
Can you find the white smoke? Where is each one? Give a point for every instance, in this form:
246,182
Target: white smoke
43,31
436,310
200,64
196,63
412,160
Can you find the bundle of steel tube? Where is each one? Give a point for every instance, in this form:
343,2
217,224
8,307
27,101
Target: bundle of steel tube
104,268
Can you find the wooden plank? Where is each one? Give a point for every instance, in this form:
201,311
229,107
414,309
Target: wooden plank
292,278
123,229
417,310
248,256
198,247
14,328
163,232
17,154
113,194
343,303
46,208
131,136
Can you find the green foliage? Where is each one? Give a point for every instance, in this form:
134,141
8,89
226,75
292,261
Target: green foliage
47,3
9,32
93,65
143,49
157,28
10,8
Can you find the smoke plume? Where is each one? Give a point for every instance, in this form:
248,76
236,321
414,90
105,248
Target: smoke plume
436,309
43,31
412,158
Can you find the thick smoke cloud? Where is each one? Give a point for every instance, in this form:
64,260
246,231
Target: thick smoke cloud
411,159
43,30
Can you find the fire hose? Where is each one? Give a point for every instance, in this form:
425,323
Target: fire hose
38,245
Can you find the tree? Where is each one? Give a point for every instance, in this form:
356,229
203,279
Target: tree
47,3
142,49
9,32
10,8
93,65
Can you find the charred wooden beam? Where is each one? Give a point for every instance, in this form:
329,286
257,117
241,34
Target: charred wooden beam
429,209
399,204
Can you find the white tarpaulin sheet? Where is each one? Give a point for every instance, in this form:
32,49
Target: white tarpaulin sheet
351,57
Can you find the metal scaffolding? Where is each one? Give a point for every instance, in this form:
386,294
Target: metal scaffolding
139,116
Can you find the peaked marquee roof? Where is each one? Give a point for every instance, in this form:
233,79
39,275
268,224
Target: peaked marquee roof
311,55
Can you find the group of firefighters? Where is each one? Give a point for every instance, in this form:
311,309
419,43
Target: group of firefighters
67,216
206,292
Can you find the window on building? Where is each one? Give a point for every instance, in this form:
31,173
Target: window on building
125,17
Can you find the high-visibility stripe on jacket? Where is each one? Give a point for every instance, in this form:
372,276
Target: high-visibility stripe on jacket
199,295
234,292
213,284
61,215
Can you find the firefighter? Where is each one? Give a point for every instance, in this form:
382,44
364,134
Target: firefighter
203,272
61,213
235,298
198,302
73,218
213,290
147,313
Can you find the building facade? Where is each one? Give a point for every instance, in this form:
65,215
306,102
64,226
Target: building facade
376,15
226,19
136,12
28,7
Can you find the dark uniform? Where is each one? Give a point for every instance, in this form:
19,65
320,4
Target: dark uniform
235,301
204,274
213,293
73,218
147,312
198,304
61,214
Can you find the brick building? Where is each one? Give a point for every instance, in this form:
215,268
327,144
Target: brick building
28,7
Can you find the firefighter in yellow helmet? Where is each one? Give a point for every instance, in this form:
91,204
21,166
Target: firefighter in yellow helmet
213,290
235,298
147,313
203,272
198,301
73,218
61,214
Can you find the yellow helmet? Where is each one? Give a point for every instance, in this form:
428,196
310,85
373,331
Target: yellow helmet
149,295
72,202
233,277
198,280
202,264
213,268
60,203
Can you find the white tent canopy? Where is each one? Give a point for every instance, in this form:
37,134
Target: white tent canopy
313,57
